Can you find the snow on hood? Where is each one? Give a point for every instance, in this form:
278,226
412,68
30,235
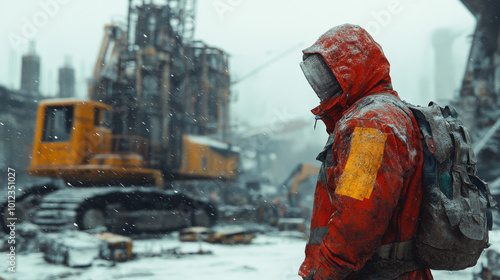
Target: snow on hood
358,63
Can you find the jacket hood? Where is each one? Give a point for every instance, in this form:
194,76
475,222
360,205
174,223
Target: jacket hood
358,63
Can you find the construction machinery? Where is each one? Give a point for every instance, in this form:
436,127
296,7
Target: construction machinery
300,186
300,195
157,118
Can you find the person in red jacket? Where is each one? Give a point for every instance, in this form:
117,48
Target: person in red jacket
369,192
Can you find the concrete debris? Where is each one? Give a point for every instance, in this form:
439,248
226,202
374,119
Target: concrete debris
26,238
231,236
73,248
119,248
194,234
296,224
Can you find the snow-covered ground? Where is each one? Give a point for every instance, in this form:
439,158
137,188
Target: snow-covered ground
275,256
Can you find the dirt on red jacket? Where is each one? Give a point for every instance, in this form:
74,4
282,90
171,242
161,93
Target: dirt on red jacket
369,191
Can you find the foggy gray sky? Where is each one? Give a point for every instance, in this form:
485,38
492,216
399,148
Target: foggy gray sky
252,32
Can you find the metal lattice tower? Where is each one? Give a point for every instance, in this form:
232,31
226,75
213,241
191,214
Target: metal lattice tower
185,13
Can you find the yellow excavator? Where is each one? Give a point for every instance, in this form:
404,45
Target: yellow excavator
158,117
74,142
301,185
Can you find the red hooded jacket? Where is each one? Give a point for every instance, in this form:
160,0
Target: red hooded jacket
369,191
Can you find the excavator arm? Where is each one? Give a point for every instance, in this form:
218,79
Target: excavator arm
300,174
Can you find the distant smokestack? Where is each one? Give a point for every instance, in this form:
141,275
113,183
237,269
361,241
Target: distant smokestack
30,71
67,79
445,83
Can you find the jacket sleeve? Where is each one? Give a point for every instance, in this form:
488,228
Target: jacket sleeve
365,181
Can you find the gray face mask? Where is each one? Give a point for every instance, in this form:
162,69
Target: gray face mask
320,77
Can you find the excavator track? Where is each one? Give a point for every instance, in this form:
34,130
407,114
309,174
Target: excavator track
122,210
26,203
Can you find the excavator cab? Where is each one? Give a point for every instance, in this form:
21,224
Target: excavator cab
67,132
73,141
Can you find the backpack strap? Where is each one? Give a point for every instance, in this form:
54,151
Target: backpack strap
390,261
402,251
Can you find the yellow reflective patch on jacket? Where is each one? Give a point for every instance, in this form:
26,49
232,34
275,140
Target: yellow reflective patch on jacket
365,157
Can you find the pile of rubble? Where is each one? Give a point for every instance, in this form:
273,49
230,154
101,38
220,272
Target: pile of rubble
71,248
81,249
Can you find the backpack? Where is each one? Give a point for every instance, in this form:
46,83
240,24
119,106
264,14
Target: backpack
455,215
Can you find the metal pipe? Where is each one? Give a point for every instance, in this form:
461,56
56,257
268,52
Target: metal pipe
128,24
